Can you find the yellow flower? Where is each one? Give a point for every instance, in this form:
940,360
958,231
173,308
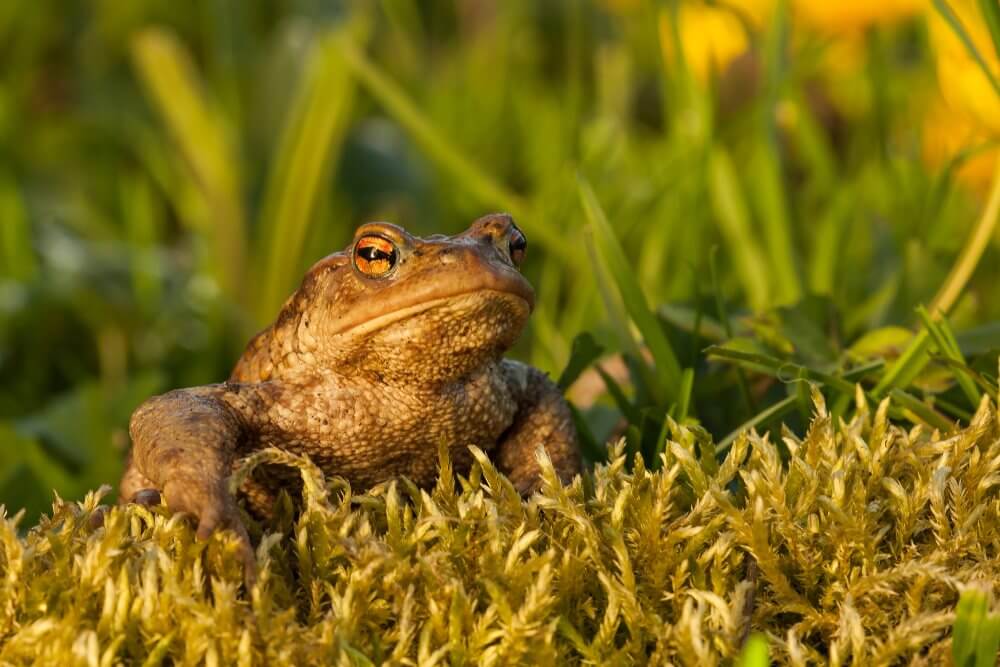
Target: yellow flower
946,133
712,36
846,16
963,84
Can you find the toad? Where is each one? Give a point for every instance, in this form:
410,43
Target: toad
387,350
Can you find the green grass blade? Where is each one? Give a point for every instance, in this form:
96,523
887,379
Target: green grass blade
309,145
617,314
786,405
948,14
686,389
988,641
969,612
973,251
668,369
723,314
915,357
591,449
629,411
776,411
949,348
780,369
17,256
685,318
907,366
786,371
734,223
921,410
979,379
465,173
755,652
168,74
771,196
394,99
826,241
990,9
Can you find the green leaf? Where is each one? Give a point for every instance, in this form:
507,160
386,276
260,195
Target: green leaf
969,614
17,256
755,653
591,448
990,9
584,351
988,641
668,377
881,342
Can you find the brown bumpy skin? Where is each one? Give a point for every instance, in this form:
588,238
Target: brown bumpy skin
386,350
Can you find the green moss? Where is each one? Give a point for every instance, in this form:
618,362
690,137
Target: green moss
849,544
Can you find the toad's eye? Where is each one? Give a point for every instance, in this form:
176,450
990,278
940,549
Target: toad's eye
375,256
517,246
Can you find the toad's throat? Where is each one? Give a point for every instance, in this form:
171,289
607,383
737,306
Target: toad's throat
376,323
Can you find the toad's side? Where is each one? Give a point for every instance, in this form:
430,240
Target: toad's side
387,350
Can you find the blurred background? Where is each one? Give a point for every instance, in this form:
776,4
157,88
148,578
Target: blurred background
787,181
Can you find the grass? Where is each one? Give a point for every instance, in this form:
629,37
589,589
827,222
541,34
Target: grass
853,542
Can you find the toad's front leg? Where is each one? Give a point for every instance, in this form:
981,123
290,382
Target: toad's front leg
543,419
183,445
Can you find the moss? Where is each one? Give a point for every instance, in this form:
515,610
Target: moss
849,544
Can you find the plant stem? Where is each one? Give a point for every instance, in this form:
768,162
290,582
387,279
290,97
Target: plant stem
972,253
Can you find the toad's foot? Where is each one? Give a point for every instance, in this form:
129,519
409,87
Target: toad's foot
183,448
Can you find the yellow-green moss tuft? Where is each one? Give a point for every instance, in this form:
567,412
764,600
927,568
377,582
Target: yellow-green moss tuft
850,544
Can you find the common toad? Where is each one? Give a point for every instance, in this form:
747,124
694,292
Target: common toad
387,349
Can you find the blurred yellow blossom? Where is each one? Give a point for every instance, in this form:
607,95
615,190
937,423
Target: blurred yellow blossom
963,84
713,35
846,16
946,133
968,113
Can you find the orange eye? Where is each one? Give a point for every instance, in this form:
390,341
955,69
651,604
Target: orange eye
375,256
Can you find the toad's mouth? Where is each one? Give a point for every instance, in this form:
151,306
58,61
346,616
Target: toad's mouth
380,313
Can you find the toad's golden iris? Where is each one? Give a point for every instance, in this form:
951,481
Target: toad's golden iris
375,256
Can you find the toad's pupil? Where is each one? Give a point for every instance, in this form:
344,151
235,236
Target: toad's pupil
373,254
375,257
